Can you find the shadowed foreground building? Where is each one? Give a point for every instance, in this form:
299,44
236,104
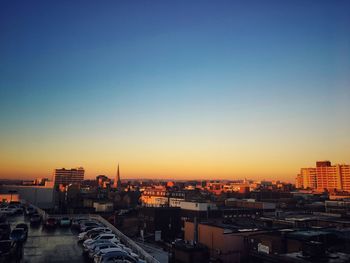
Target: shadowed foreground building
226,243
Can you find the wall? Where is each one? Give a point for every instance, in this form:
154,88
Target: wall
226,247
195,206
40,196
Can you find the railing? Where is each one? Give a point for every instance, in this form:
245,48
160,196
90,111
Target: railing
126,240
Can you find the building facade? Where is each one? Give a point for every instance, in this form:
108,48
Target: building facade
306,179
69,176
325,176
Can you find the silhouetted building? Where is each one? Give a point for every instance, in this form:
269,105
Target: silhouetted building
102,181
164,219
69,176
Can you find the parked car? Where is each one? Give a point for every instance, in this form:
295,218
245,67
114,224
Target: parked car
65,221
30,211
5,231
18,209
8,211
24,226
77,221
105,255
88,246
110,237
18,235
3,218
88,234
17,203
96,248
35,219
51,222
8,249
89,224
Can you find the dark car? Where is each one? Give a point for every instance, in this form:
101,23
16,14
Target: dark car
3,218
18,235
24,226
30,211
8,249
51,222
17,208
65,221
35,219
77,221
5,231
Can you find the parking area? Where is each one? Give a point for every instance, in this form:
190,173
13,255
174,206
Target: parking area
54,245
31,235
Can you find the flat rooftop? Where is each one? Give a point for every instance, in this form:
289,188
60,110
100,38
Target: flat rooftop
56,245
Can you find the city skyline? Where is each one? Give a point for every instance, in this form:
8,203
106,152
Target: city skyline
174,90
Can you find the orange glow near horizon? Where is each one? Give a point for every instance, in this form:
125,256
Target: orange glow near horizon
180,163
174,90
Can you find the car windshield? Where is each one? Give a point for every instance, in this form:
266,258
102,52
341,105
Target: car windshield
95,235
90,224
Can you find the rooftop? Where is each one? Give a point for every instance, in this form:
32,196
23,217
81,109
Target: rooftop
58,245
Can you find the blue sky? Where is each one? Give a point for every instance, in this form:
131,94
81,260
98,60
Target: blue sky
163,82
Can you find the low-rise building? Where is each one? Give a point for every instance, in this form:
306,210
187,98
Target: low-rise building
226,243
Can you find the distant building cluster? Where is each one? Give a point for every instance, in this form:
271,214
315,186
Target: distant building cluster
229,221
324,176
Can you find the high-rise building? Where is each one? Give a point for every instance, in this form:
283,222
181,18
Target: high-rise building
333,177
69,176
306,179
325,176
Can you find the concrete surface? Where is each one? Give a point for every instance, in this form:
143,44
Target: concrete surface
56,245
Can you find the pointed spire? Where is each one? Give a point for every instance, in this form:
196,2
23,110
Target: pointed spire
117,181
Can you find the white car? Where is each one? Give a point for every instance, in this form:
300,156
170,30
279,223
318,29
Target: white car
87,234
8,211
110,252
87,247
116,255
84,225
110,237
95,249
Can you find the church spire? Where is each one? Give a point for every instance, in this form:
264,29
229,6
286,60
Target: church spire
117,181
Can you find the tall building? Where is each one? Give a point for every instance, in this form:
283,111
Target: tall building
325,176
306,179
117,182
333,177
69,176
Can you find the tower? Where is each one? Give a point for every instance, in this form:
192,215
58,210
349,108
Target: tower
117,182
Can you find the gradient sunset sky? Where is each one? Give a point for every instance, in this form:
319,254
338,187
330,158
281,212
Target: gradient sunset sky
174,89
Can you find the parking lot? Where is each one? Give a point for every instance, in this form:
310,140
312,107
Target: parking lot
55,245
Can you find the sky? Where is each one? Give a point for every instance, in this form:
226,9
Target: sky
174,89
